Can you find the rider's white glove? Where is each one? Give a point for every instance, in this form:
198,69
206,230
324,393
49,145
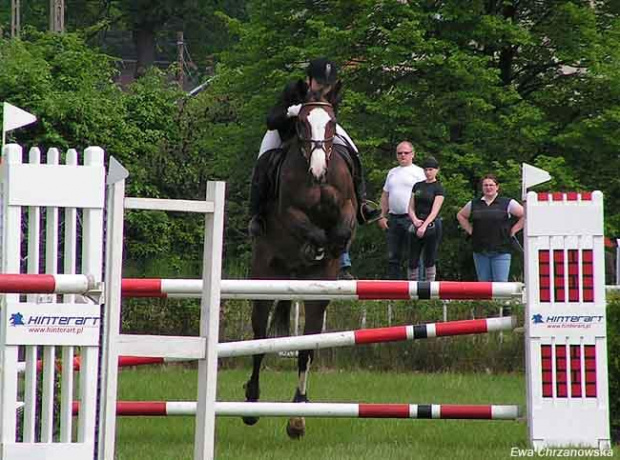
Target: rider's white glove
293,111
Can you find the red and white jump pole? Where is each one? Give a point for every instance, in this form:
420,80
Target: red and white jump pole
328,410
46,284
365,336
332,340
267,289
324,290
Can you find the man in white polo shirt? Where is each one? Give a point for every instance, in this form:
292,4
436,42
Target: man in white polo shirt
394,204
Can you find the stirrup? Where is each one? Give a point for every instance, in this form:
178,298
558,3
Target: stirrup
372,212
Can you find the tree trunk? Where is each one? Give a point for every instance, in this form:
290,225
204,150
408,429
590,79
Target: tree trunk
144,40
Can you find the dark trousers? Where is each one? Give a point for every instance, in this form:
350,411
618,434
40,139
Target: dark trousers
426,246
398,244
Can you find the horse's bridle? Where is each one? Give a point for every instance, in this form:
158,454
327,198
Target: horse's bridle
323,144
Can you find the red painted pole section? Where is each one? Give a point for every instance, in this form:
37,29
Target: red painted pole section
27,284
382,334
468,326
141,287
127,361
465,290
383,410
465,412
383,290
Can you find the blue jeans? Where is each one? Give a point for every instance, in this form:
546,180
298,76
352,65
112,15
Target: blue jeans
345,260
492,266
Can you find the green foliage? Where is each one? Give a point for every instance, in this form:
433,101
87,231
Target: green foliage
483,87
613,359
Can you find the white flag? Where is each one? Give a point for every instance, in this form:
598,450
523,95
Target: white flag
14,117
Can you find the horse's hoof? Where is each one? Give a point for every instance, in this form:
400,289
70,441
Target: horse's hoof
296,427
250,420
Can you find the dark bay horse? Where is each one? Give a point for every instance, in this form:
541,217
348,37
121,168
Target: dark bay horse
308,225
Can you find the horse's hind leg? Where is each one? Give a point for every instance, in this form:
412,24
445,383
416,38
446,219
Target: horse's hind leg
313,325
260,315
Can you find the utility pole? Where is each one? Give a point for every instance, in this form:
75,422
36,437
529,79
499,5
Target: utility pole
57,16
180,59
15,18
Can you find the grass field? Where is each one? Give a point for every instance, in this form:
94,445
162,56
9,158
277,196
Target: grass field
172,437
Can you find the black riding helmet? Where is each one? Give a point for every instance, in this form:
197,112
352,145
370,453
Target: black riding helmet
323,71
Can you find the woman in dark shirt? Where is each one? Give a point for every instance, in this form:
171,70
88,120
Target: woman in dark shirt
424,206
491,230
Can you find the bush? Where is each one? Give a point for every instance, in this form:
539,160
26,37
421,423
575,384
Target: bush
613,359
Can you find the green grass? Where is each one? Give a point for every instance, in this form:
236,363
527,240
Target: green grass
172,438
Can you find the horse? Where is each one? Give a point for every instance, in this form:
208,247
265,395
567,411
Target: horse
309,224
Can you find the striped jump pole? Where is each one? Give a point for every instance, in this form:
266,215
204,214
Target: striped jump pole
366,336
324,290
327,410
332,340
47,284
267,289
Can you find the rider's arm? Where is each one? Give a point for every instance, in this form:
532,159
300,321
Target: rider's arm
463,217
294,93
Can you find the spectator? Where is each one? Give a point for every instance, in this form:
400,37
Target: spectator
491,230
424,206
394,207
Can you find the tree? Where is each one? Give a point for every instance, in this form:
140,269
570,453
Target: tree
482,85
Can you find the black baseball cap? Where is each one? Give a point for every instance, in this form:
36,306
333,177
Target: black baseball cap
430,162
323,71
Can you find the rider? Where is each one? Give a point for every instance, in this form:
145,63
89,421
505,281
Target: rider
321,78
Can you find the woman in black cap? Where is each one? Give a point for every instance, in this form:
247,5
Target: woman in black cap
424,206
322,79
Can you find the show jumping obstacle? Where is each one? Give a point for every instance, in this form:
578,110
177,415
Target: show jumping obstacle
269,409
332,340
566,354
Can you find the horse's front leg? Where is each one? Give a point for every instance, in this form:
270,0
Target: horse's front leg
296,426
341,234
312,238
260,316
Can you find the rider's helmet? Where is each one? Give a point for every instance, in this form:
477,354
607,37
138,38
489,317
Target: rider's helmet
323,71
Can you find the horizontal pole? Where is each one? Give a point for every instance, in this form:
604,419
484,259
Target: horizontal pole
270,289
176,348
365,336
22,283
162,204
324,290
327,410
146,349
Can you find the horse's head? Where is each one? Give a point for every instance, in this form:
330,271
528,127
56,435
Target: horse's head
316,128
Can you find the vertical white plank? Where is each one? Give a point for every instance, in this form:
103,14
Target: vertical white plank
30,374
113,275
11,248
204,443
92,264
49,352
68,352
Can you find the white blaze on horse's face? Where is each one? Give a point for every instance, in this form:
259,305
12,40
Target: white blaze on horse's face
318,118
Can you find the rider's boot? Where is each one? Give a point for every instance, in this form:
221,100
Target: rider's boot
258,196
366,213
